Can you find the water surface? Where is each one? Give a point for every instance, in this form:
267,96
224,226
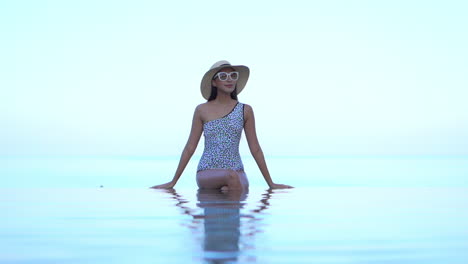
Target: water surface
302,225
343,210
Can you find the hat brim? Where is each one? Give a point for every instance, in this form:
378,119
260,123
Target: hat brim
205,86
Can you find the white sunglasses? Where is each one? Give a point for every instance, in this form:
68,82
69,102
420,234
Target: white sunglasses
223,76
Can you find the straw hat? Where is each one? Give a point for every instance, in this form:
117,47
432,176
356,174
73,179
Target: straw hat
205,86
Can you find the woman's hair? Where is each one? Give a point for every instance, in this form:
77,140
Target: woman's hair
214,93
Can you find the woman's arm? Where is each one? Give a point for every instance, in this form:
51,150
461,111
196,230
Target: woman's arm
189,149
255,149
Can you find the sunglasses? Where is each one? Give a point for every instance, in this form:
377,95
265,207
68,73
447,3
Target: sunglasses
223,76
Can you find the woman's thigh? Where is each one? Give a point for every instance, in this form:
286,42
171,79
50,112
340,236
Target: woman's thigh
217,178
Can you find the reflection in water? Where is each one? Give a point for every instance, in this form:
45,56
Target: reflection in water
226,230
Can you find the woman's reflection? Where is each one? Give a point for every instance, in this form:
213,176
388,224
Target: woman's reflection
226,231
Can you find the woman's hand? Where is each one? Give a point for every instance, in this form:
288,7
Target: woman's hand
280,186
168,185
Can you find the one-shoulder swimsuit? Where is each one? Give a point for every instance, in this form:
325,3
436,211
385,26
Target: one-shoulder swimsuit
222,138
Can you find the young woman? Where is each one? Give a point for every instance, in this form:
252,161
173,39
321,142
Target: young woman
222,119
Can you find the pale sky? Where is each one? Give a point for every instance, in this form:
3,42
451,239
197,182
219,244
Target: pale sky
327,77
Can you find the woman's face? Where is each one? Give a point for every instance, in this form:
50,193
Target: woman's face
228,85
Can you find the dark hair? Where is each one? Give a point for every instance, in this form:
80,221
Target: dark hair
214,93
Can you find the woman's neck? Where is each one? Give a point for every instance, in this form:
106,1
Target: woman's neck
223,98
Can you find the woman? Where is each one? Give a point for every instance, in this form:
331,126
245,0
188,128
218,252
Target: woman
222,119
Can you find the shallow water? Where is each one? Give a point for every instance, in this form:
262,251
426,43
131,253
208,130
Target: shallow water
302,225
366,210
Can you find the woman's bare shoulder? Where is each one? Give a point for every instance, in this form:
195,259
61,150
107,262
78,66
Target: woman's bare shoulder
248,108
202,107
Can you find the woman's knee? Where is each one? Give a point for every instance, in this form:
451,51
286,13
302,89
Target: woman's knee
232,175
